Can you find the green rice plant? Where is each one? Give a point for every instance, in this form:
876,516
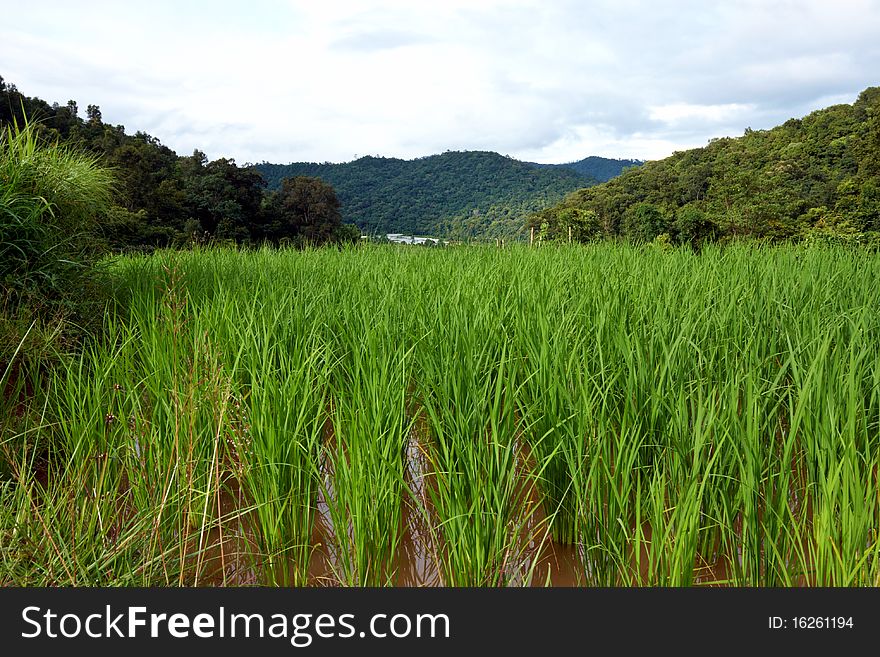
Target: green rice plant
372,418
468,389
678,419
181,388
280,445
371,429
670,515
558,416
840,451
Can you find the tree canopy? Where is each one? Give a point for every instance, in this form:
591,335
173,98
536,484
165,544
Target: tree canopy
815,178
162,199
459,194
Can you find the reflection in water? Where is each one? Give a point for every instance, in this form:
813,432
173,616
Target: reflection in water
539,561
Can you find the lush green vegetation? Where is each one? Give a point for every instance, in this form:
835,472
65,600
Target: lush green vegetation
600,169
431,195
672,416
463,195
49,200
816,178
161,199
680,418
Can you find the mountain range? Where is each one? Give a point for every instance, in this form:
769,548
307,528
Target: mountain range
460,194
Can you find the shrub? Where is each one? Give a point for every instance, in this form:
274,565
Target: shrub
50,199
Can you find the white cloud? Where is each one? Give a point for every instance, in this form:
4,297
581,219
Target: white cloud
678,113
550,80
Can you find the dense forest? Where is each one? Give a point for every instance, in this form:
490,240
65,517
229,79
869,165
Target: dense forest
162,199
601,169
815,178
460,194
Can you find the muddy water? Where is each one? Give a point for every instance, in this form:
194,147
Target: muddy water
548,563
539,561
226,550
415,563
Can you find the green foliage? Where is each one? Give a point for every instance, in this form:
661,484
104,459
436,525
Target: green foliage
51,295
50,197
346,234
127,230
672,419
462,195
643,222
161,199
304,210
692,226
816,175
222,197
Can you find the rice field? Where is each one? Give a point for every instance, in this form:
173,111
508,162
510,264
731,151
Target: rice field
606,415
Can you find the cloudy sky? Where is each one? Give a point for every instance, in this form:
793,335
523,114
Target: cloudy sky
541,80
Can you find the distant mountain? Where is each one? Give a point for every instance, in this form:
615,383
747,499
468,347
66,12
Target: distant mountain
458,194
601,169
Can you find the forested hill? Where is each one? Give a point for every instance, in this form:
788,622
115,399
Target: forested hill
163,199
458,193
815,178
160,199
601,169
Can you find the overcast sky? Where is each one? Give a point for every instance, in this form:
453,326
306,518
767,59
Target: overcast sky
542,80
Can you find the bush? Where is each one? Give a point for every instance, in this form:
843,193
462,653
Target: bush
50,197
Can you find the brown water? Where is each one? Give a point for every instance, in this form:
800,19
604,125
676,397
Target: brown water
540,561
415,562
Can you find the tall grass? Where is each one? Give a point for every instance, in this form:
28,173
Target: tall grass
279,442
371,427
50,196
677,418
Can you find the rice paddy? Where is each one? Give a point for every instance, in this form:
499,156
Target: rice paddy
606,415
